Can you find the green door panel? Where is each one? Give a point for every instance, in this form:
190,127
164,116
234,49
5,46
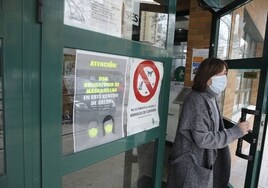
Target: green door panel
55,37
20,34
12,87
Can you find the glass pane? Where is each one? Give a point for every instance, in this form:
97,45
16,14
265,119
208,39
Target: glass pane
216,5
67,101
233,100
264,165
2,149
98,105
144,21
241,33
176,86
92,114
178,62
130,169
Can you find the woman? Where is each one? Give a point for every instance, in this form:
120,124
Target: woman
200,156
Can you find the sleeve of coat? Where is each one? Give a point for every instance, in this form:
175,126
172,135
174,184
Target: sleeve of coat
200,126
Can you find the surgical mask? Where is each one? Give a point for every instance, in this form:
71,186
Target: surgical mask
218,83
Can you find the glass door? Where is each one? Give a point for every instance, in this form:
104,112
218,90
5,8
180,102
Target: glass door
241,97
242,42
100,59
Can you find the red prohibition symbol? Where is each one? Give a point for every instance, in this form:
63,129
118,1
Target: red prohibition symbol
143,72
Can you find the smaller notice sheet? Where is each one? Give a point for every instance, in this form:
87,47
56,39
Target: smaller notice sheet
144,89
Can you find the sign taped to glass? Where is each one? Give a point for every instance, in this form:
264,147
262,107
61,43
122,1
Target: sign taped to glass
145,84
98,99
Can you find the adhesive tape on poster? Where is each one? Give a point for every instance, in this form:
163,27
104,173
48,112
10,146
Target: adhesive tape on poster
108,128
93,132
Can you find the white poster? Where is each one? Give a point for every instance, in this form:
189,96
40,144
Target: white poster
198,56
153,28
144,89
103,16
98,99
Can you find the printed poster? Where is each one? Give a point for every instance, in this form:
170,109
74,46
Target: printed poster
198,56
103,16
153,28
144,88
98,99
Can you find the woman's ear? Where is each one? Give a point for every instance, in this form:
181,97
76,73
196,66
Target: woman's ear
209,82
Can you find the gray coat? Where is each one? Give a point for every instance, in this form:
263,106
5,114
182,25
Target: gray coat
200,156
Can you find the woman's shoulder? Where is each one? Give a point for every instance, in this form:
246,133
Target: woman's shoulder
194,96
195,99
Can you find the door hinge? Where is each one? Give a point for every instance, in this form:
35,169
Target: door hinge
261,130
40,4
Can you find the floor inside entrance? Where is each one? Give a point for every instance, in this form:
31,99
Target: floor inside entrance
128,170
132,169
239,170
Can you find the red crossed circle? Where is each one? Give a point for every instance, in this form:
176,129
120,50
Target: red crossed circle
141,72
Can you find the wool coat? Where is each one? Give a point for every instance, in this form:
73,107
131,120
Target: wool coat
200,156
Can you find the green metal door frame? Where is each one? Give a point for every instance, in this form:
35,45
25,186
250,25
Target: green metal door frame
20,34
12,87
254,167
32,57
56,36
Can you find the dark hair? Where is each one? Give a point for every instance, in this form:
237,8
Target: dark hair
208,68
107,118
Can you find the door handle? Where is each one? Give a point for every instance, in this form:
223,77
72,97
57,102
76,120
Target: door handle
248,137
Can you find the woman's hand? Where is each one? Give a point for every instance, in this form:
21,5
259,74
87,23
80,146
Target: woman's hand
244,126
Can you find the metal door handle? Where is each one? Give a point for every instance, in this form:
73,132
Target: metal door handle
248,137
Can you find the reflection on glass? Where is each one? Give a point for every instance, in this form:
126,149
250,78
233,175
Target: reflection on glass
241,33
241,94
144,21
216,5
153,28
178,62
130,169
224,36
176,86
2,154
67,100
93,110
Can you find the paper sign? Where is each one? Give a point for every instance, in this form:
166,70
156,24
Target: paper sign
144,89
98,99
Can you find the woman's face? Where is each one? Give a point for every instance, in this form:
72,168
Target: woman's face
223,72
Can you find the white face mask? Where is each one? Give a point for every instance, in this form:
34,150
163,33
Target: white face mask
218,83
